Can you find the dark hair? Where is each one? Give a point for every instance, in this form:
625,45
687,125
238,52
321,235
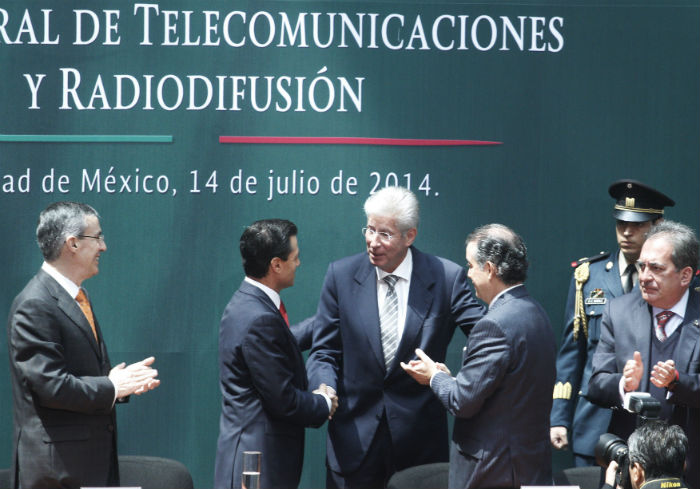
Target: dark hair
659,448
501,246
57,223
684,242
264,240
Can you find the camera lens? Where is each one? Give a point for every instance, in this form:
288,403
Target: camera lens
608,448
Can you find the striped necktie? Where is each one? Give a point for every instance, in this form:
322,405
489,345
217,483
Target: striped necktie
661,320
389,321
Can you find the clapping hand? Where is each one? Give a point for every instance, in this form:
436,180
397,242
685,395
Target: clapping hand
136,378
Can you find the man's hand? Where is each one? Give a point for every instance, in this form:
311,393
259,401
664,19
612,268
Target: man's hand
136,378
330,392
610,473
632,373
443,368
421,370
663,373
557,435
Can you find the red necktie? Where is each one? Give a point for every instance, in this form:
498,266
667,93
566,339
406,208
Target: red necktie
84,304
662,318
283,312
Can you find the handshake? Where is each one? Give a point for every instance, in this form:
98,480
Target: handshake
328,391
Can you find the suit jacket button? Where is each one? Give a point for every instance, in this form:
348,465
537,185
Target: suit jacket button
110,427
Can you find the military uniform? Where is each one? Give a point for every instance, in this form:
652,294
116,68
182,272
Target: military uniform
599,281
584,421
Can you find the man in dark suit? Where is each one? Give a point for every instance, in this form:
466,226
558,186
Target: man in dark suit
375,310
501,395
63,386
650,340
265,404
575,422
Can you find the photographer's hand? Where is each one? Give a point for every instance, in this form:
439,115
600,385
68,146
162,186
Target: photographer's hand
610,473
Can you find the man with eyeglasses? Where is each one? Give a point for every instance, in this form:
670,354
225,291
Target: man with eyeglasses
575,422
650,341
63,385
375,309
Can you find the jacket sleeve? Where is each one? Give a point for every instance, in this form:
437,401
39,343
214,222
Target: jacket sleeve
486,363
571,362
464,307
36,350
269,356
603,386
325,358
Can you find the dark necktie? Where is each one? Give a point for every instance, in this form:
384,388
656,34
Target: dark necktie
661,320
283,312
631,271
389,321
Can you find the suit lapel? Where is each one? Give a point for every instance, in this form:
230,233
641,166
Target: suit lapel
71,309
690,331
365,292
640,317
420,298
267,302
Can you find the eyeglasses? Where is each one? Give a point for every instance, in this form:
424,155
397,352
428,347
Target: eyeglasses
369,234
99,237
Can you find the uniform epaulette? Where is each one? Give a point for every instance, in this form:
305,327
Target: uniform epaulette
590,259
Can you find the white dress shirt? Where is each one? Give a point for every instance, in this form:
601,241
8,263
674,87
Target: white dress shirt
402,286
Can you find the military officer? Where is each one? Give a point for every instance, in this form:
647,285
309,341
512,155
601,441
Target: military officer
597,280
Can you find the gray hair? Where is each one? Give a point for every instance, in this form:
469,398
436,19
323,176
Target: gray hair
396,203
684,242
57,223
504,248
659,448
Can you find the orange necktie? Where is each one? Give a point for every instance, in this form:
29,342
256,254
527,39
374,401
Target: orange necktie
87,310
283,311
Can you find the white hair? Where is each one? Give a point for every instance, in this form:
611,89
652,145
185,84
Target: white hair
396,203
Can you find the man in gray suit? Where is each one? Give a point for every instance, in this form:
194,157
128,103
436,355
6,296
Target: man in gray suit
501,395
650,341
63,386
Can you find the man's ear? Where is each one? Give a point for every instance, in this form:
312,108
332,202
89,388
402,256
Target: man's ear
411,236
275,265
72,243
637,476
686,276
490,268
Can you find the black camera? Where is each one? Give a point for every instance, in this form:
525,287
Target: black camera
609,448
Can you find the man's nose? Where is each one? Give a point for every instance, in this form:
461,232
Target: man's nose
644,275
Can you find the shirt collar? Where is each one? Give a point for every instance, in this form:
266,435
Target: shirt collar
493,301
273,295
62,280
678,309
403,271
622,263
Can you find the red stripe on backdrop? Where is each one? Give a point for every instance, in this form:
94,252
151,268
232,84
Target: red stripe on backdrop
350,140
